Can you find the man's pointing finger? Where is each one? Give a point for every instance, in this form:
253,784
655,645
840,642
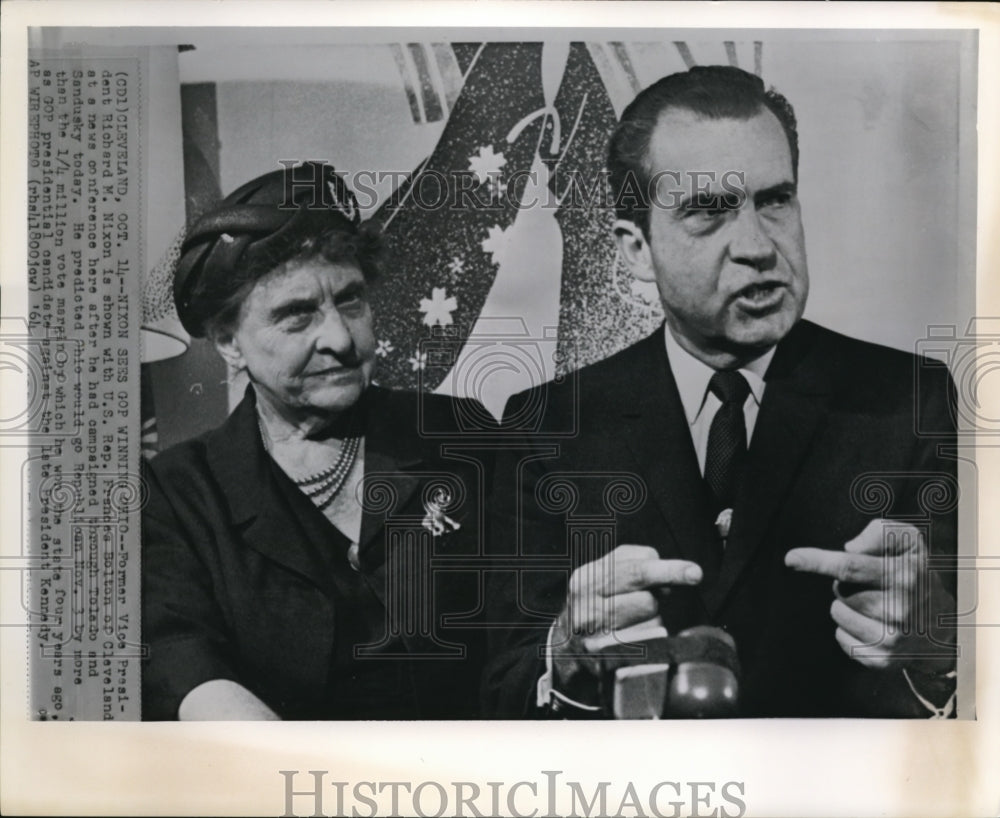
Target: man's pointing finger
642,574
859,569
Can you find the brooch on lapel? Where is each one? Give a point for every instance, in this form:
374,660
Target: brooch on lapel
435,520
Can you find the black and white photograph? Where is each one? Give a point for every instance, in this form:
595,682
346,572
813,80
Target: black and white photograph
404,404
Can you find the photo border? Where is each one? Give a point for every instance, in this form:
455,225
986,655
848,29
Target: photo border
823,767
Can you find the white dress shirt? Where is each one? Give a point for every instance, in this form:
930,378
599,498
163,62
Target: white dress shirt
700,404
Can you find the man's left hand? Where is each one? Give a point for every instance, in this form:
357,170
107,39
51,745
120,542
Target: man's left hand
888,602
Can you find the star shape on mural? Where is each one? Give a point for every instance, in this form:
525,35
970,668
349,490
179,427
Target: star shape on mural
418,361
438,308
486,162
495,242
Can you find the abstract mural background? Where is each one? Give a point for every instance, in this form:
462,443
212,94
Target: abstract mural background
514,294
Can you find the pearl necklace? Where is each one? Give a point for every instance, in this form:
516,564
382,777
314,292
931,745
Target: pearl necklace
324,485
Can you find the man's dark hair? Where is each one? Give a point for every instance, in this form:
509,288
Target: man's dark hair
711,91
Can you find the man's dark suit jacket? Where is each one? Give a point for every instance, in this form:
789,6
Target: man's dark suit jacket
847,432
243,577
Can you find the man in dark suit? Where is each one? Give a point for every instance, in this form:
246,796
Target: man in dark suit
741,467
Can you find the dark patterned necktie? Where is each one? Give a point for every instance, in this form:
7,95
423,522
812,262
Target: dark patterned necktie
727,437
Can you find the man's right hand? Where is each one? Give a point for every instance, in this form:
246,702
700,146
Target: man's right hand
615,592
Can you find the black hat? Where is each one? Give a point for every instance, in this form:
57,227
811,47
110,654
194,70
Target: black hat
255,229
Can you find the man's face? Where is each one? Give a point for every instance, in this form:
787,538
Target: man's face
725,243
305,337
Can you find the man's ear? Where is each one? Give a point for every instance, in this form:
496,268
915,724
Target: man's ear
229,348
634,249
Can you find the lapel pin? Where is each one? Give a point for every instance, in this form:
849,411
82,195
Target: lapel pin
354,556
435,520
724,522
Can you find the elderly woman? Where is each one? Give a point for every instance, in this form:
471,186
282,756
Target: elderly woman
315,556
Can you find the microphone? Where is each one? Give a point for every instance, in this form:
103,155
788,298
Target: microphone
693,675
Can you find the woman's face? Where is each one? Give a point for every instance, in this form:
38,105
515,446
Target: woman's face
305,337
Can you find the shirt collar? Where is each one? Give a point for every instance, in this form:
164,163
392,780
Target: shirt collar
692,376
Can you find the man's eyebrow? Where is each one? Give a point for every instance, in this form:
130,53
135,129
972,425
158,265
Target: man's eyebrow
729,199
779,191
709,200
